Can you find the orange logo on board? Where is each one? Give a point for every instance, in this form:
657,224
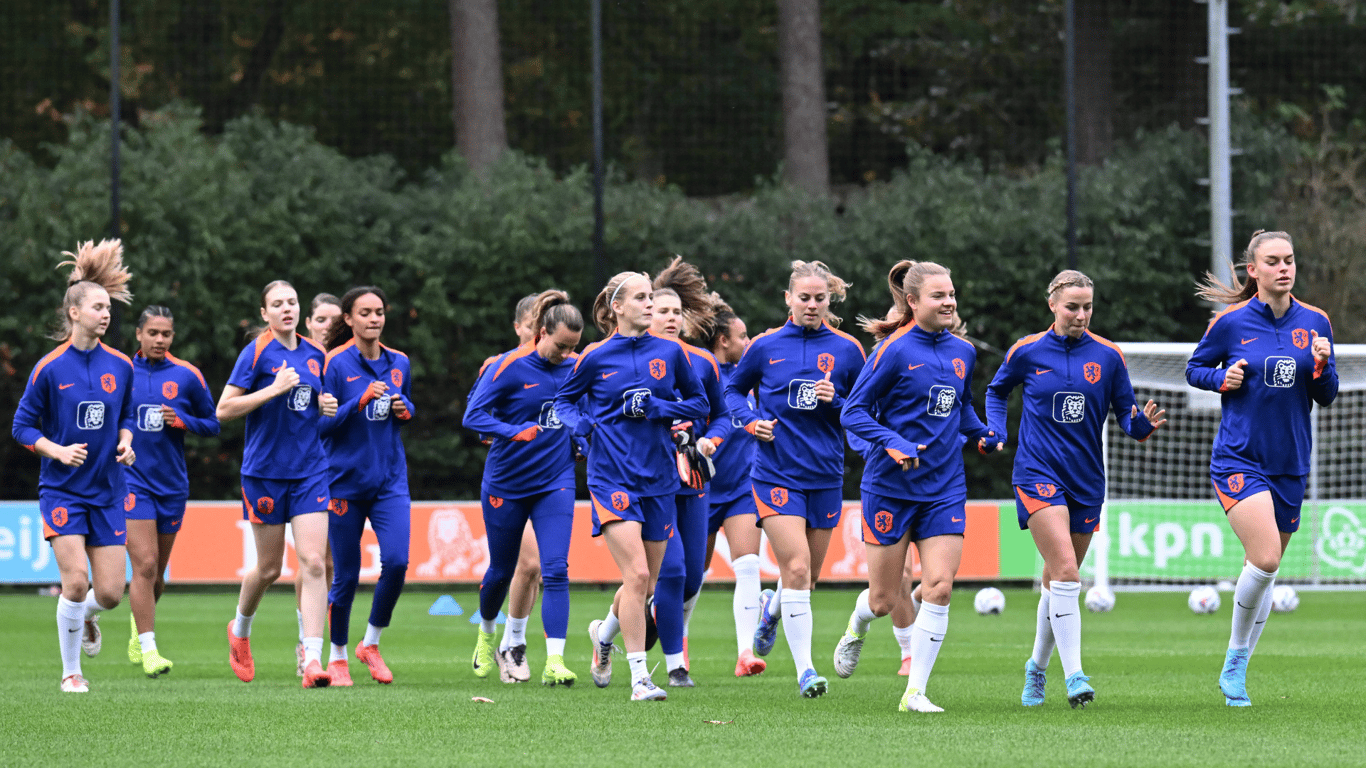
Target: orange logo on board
313,368
338,506
778,496
107,382
1091,371
1235,482
129,502
826,362
882,521
620,501
396,376
265,505
59,516
960,368
1300,337
658,369
169,390
1045,490
495,502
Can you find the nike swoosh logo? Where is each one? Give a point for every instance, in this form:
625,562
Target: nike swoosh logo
1294,519
1249,341
118,533
276,369
64,386
771,361
1240,605
1038,372
832,514
73,630
529,386
350,379
913,367
936,639
609,375
1060,615
1090,519
751,607
795,615
956,519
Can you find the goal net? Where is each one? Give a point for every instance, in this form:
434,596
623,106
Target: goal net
1162,525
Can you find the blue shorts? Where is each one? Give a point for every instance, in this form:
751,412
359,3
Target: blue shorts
167,511
723,510
656,514
1085,518
1287,493
820,508
887,520
66,516
276,502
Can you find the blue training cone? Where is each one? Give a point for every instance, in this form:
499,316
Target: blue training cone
474,618
445,606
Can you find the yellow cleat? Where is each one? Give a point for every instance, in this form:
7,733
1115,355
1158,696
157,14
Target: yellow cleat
483,662
154,664
556,673
134,647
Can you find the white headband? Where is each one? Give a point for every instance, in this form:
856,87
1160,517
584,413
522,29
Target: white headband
618,290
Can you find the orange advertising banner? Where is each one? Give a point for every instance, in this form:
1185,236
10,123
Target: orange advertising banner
449,545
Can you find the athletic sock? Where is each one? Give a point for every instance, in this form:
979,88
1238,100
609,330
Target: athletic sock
863,614
91,605
241,626
300,615
915,603
338,653
515,632
745,604
148,641
775,606
70,627
488,626
609,629
927,637
372,633
554,646
1066,621
688,606
797,627
673,661
1043,632
903,639
1253,585
639,670
313,650
1263,612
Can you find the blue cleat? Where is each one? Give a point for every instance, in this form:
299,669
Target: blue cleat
1034,683
811,684
1233,680
767,632
1079,691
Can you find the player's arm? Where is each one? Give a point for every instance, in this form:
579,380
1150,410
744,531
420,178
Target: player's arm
872,384
236,401
970,424
743,377
128,421
479,410
200,418
402,403
1138,424
720,427
1204,369
1323,386
1007,378
693,404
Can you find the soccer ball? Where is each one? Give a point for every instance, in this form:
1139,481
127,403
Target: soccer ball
989,601
1204,599
1284,598
1099,599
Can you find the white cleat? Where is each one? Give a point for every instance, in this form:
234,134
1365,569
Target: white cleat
646,690
75,684
601,665
512,666
915,701
90,638
848,650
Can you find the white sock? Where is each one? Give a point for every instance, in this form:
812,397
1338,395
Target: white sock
70,627
1253,585
300,614
1263,612
514,632
241,626
554,646
745,605
371,635
91,605
1043,632
639,670
903,639
673,661
488,626
688,606
915,603
927,637
313,650
863,614
797,627
148,641
1065,615
338,653
775,606
610,628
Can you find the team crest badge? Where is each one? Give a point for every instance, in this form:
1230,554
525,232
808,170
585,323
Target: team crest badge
129,501
313,368
778,496
658,369
59,516
620,501
396,376
1235,482
1300,337
338,506
882,521
495,502
169,390
825,362
1091,371
265,505
1045,490
960,368
107,382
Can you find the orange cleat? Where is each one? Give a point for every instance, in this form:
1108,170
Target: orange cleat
905,667
239,656
748,664
315,676
686,665
340,674
369,656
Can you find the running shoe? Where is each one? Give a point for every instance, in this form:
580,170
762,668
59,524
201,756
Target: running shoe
154,664
646,690
340,673
651,631
299,659
134,646
90,638
1233,680
1034,685
678,678
914,701
315,676
512,666
811,684
1079,690
748,664
483,661
556,673
767,632
369,656
239,656
75,684
905,670
848,649
601,666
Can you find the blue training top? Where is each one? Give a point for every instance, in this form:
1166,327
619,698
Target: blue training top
160,445
735,457
282,435
363,441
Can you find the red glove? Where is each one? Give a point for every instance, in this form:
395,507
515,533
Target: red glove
526,435
373,391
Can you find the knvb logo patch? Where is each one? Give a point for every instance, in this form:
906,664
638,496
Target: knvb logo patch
1300,338
90,414
150,418
1091,371
1069,407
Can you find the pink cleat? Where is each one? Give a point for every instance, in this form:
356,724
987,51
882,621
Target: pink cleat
239,656
369,656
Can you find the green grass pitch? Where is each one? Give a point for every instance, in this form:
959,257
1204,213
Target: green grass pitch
1153,663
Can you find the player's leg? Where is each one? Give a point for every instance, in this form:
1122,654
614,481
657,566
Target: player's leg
692,529
153,663
1253,520
553,518
940,557
743,536
526,582
69,552
391,518
630,554
905,610
885,544
505,521
143,559
668,606
345,525
269,539
1052,531
310,544
788,535
1264,611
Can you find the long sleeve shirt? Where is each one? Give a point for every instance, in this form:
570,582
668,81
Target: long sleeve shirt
160,444
364,441
282,440
733,458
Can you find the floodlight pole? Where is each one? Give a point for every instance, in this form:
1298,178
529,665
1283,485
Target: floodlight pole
1070,76
1220,153
599,225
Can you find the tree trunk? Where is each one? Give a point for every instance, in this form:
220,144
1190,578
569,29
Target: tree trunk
477,82
1095,126
806,163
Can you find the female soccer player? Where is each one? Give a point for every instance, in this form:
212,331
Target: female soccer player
77,414
277,385
528,478
368,472
912,404
684,308
1072,379
1276,356
630,387
800,374
171,398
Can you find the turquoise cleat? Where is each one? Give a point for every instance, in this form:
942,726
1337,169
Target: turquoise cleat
1079,691
811,684
1233,680
1034,685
